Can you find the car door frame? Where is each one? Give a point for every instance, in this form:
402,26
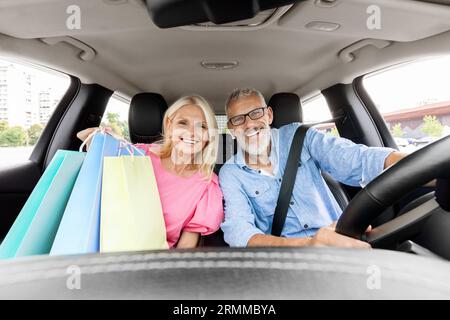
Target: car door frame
81,106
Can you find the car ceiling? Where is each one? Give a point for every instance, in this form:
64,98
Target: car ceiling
132,55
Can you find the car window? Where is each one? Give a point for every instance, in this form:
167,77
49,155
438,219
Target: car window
316,109
116,116
222,123
414,100
28,96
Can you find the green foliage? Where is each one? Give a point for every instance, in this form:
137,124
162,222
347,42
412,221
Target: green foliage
17,136
112,117
432,126
3,126
13,137
34,132
120,128
397,130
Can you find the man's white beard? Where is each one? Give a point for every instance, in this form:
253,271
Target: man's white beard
258,147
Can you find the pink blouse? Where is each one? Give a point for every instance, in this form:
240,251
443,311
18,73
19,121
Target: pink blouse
189,204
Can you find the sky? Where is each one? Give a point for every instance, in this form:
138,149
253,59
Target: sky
411,85
46,79
401,87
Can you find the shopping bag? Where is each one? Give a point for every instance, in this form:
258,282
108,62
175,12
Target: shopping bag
36,225
79,230
131,213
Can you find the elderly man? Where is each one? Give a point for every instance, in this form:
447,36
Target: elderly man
251,179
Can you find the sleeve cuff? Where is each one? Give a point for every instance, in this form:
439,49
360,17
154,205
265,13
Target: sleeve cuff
241,238
374,163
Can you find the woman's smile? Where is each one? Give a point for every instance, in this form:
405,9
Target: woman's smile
189,141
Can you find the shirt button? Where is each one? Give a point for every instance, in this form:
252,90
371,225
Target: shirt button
292,203
306,226
259,171
279,180
257,192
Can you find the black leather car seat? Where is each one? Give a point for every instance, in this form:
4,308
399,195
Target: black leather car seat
145,117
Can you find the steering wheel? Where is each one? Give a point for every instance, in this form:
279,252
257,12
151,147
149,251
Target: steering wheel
415,170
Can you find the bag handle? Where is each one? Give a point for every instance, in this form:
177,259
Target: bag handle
89,138
123,143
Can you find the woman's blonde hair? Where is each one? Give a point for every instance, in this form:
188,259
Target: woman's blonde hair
205,160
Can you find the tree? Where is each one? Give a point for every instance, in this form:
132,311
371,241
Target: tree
112,117
112,121
125,131
3,126
397,130
34,132
118,127
13,137
432,126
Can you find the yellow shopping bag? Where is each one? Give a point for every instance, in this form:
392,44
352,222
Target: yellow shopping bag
131,217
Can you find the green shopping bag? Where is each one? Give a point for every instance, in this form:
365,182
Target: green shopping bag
131,213
36,225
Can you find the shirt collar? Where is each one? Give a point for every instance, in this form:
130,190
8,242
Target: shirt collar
274,150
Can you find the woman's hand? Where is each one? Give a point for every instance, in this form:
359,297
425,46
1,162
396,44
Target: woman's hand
84,134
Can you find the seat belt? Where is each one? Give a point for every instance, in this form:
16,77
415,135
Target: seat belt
287,185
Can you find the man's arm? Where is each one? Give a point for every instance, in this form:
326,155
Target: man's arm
326,236
350,163
264,240
395,157
239,224
240,230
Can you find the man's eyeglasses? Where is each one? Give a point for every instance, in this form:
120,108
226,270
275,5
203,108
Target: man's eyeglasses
254,115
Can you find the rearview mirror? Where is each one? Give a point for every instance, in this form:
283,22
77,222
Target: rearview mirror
176,13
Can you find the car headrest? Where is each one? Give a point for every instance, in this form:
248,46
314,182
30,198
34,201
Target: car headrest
145,117
286,109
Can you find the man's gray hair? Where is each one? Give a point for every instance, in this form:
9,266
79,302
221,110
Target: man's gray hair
243,92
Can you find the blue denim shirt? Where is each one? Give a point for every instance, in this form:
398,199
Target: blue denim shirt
251,197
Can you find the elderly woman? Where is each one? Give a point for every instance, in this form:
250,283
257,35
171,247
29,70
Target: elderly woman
183,163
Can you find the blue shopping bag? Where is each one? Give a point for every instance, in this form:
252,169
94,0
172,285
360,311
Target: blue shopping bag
79,229
36,225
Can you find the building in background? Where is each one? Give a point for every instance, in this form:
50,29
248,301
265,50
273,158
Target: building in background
15,95
412,119
25,97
